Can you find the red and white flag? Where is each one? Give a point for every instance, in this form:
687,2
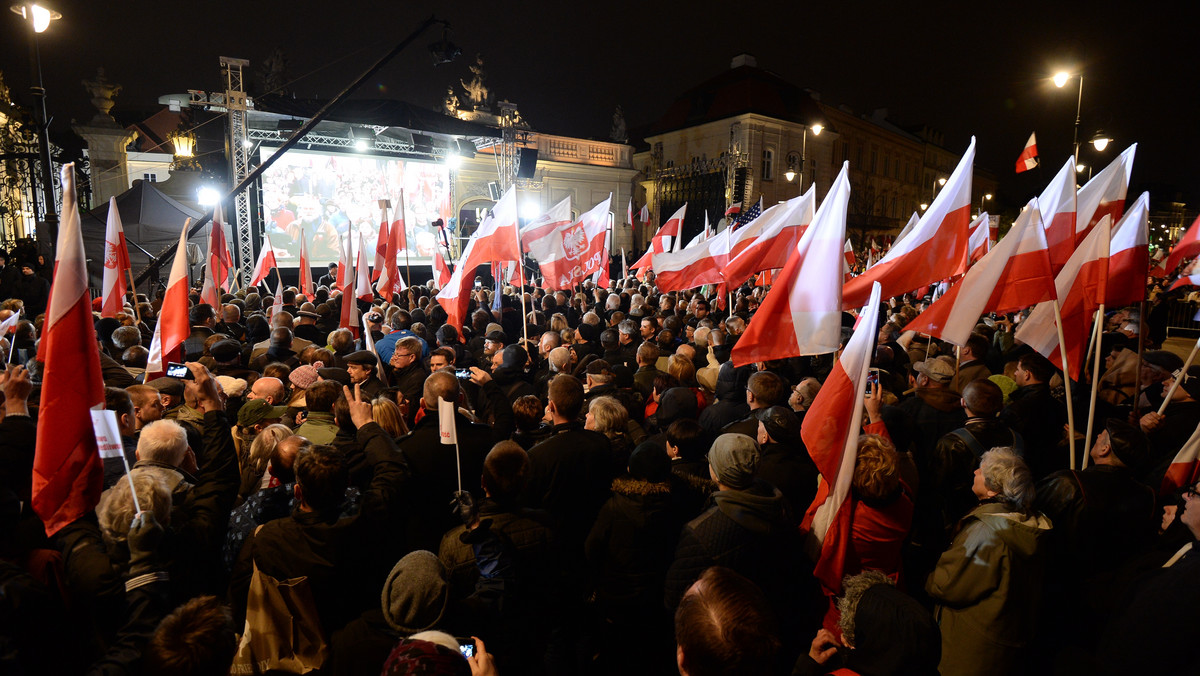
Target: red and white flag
573,251
116,264
265,264
362,277
1129,255
663,239
802,314
381,245
644,214
557,217
1057,207
848,261
1184,470
629,213
830,431
1188,246
696,265
935,250
980,238
908,227
1080,288
1012,276
67,473
219,262
398,229
496,240
344,277
388,278
277,304
306,280
1028,159
735,208
173,327
1104,195
770,240
441,271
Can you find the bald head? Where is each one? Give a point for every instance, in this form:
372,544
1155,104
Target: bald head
439,385
559,357
271,389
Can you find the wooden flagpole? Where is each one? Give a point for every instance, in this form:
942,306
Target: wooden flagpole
1141,345
1062,351
1179,378
1087,442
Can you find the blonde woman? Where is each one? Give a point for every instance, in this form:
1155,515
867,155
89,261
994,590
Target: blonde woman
389,417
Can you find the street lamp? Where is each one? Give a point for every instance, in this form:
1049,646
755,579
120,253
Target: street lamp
1100,141
1060,80
985,198
39,19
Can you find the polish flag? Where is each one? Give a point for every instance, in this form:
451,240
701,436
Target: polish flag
661,242
1012,276
1057,206
848,261
381,245
67,475
573,251
362,276
644,214
306,280
629,213
558,216
441,271
220,262
1187,247
495,240
1080,287
935,250
1104,194
1028,158
770,240
1129,255
343,273
173,326
277,304
1158,267
980,241
830,431
387,285
908,228
348,310
216,273
1184,470
695,266
735,208
802,314
265,263
116,263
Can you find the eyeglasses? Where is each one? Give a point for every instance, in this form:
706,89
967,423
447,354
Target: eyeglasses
401,354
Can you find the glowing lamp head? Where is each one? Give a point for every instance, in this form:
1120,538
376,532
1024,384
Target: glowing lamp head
1060,78
817,129
530,210
208,197
789,175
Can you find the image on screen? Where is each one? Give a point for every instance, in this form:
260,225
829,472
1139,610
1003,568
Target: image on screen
322,197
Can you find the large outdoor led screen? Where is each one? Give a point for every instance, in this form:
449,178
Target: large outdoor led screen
323,196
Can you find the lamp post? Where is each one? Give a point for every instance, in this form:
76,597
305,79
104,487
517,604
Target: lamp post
933,188
984,198
39,19
1060,80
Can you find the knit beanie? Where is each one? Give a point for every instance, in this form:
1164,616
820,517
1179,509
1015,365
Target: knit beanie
415,593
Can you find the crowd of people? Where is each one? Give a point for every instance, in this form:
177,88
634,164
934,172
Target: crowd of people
618,497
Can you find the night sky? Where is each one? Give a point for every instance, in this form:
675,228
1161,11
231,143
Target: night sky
964,68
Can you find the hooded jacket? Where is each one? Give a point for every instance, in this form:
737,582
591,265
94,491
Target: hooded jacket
632,543
749,531
988,589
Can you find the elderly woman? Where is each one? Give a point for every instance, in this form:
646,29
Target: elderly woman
987,584
607,416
